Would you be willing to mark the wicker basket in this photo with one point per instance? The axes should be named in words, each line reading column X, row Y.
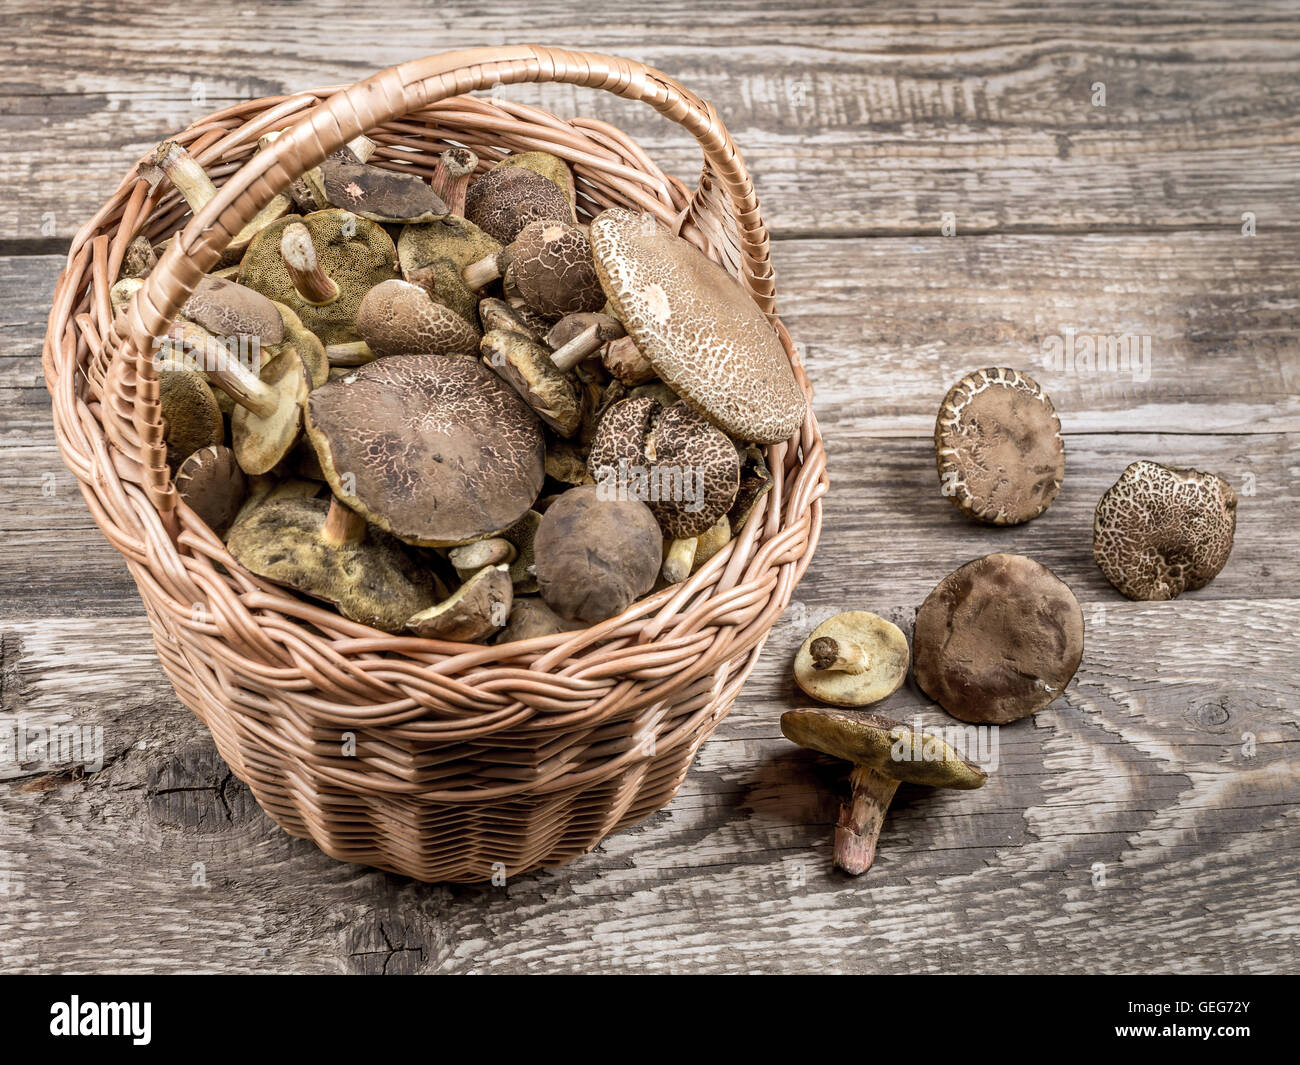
column 437, row 760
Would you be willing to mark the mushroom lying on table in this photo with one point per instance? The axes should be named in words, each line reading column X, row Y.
column 853, row 659
column 884, row 753
column 1160, row 531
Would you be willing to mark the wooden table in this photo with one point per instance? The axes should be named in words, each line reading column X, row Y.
column 1102, row 168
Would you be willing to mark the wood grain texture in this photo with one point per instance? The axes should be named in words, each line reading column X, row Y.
column 1147, row 821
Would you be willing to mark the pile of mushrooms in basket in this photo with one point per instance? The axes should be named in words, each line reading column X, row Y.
column 449, row 409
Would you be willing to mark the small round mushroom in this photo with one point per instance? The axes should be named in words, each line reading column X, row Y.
column 699, row 328
column 549, row 166
column 853, row 659
column 468, row 559
column 190, row 412
column 1160, row 531
column 530, row 618
column 527, row 367
column 213, row 486
column 550, row 268
column 998, row 444
column 398, row 318
column 596, row 556
column 504, row 200
column 452, row 175
column 884, row 754
column 997, row 639
column 435, row 449
column 318, row 548
column 435, row 254
column 476, row 610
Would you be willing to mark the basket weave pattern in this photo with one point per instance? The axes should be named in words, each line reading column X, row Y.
column 436, row 760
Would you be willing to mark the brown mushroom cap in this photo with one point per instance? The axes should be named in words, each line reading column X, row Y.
column 476, row 610
column 506, row 199
column 527, row 367
column 595, row 556
column 888, row 747
column 374, row 581
column 699, row 328
column 997, row 639
column 398, row 318
column 549, row 166
column 853, row 659
column 227, row 309
column 378, row 194
column 354, row 252
column 213, row 486
column 755, row 483
column 552, row 269
column 574, row 324
column 440, row 450
column 434, row 256
column 999, row 449
column 530, row 618
column 1160, row 531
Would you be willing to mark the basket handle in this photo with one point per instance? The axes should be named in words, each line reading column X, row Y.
column 324, row 129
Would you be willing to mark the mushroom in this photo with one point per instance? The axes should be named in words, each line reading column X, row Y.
column 452, row 175
column 998, row 444
column 169, row 159
column 213, row 486
column 376, row 193
column 884, row 753
column 549, row 166
column 528, row 369
column 476, row 610
column 530, row 618
column 399, row 318
column 686, row 470
column 1160, row 531
column 498, row 314
column 468, row 559
column 434, row 256
column 699, row 329
column 191, row 416
column 523, row 536
column 550, row 268
column 579, row 335
column 435, row 449
column 595, row 556
column 755, row 482
column 997, row 639
column 504, row 200
column 320, row 266
column 138, row 259
column 308, row 191
column 852, row 659
column 323, row 550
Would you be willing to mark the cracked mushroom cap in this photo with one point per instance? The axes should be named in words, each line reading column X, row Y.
column 549, row 166
column 698, row 327
column 213, row 486
column 853, row 659
column 398, row 318
column 435, row 449
column 228, row 309
column 997, row 639
column 1160, row 531
column 552, row 270
column 374, row 581
column 527, row 367
column 434, row 255
column 889, row 747
column 476, row 610
column 355, row 253
column 505, row 199
column 595, row 556
column 999, row 449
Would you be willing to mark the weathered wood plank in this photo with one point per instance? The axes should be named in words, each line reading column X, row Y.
column 854, row 119
column 1127, row 828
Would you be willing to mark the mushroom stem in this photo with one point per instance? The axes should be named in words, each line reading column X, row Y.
column 355, row 353
column 185, row 174
column 451, row 177
column 480, row 274
column 581, row 347
column 227, row 372
column 680, row 559
column 842, row 656
column 343, row 525
column 861, row 818
column 299, row 254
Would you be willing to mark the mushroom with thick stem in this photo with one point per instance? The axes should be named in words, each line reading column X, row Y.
column 434, row 256
column 997, row 640
column 997, row 441
column 320, row 266
column 475, row 611
column 172, row 161
column 701, row 331
column 436, row 450
column 1160, row 531
column 330, row 553
column 853, row 659
column 884, row 754
column 399, row 318
column 577, row 337
column 550, row 268
column 595, row 555
column 527, row 367
column 506, row 199
column 212, row 485
column 451, row 177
